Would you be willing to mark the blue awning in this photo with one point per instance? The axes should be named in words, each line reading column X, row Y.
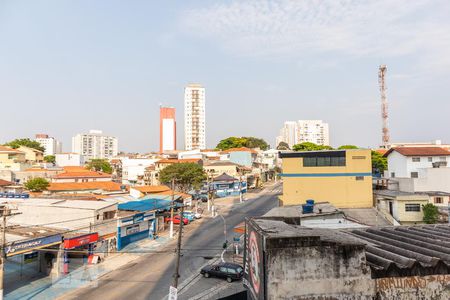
column 147, row 204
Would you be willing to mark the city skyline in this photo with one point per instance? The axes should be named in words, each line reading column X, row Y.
column 285, row 66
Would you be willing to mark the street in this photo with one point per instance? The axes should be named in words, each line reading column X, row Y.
column 150, row 276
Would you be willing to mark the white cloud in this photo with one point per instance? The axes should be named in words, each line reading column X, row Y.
column 296, row 28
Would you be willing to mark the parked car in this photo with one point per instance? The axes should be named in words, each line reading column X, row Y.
column 176, row 220
column 191, row 215
column 229, row 271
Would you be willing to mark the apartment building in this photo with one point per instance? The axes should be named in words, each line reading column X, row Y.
column 52, row 146
column 296, row 132
column 95, row 145
column 194, row 117
column 167, row 129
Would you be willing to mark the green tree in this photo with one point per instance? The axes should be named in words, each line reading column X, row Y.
column 308, row 146
column 430, row 213
column 50, row 159
column 186, row 175
column 37, row 184
column 99, row 165
column 283, row 146
column 237, row 142
column 348, row 147
column 379, row 162
column 25, row 142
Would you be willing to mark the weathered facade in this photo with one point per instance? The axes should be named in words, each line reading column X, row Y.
column 286, row 261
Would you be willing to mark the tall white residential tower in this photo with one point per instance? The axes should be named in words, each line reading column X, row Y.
column 95, row 145
column 52, row 146
column 194, row 117
column 314, row 131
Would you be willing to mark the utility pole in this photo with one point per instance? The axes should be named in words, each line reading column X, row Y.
column 171, row 208
column 177, row 265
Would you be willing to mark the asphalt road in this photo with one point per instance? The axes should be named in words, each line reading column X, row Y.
column 149, row 277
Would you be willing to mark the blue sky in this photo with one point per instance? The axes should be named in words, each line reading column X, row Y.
column 70, row 66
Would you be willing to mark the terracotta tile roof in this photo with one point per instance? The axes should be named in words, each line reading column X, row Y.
column 88, row 174
column 5, row 182
column 178, row 161
column 9, row 150
column 75, row 169
column 419, row 151
column 151, row 188
column 83, row 186
column 169, row 193
column 241, row 149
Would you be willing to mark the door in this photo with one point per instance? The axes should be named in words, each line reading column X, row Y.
column 390, row 208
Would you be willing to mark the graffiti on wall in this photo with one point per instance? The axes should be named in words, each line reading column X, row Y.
column 414, row 282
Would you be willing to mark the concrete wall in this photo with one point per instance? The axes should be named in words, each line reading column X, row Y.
column 342, row 191
column 334, row 272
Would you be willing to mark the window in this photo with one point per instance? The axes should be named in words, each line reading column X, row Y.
column 231, row 271
column 358, row 178
column 412, row 207
column 442, row 158
column 393, row 174
column 416, row 159
column 430, row 159
column 438, row 200
column 323, row 161
column 414, row 175
column 223, row 269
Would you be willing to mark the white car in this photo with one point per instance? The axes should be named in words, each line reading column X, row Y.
column 196, row 214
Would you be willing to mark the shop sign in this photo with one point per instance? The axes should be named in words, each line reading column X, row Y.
column 137, row 218
column 80, row 240
column 253, row 263
column 25, row 246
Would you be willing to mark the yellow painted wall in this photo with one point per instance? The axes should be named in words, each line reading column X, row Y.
column 342, row 191
column 408, row 217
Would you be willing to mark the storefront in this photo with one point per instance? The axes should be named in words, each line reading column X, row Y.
column 79, row 250
column 29, row 256
column 135, row 228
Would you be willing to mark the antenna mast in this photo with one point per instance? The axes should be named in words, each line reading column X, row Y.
column 384, row 105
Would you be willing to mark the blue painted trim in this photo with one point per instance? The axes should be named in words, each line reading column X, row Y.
column 323, row 174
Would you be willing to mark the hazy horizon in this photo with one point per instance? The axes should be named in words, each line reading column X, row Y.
column 72, row 66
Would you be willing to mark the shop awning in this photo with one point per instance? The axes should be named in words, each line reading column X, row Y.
column 147, row 205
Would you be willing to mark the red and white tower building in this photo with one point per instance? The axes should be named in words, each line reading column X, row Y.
column 167, row 129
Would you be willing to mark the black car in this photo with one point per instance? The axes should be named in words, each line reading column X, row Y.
column 226, row 270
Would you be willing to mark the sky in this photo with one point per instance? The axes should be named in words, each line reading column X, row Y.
column 70, row 66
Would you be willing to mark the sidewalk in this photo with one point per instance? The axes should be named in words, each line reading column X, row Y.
column 52, row 288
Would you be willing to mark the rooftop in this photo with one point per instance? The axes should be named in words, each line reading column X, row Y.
column 5, row 182
column 90, row 174
column 220, row 163
column 4, row 149
column 63, row 203
column 151, row 188
column 81, row 186
column 406, row 250
column 178, row 161
column 241, row 149
column 419, row 151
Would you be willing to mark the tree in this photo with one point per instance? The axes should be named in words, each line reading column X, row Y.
column 348, row 147
column 186, row 175
column 99, row 165
column 430, row 213
column 283, row 146
column 50, row 159
column 37, row 184
column 25, row 142
column 237, row 142
column 379, row 162
column 308, row 146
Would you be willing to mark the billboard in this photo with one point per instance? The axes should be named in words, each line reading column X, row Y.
column 19, row 247
column 254, row 263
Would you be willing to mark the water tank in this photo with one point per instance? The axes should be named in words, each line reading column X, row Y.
column 307, row 208
column 310, row 201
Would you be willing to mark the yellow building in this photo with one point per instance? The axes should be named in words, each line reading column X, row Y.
column 12, row 159
column 341, row 177
column 32, row 155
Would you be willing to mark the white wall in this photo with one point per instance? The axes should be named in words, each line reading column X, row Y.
column 397, row 163
column 134, row 167
column 69, row 159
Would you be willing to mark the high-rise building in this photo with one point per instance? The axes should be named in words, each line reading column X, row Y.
column 167, row 129
column 314, row 131
column 95, row 145
column 194, row 117
column 52, row 146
